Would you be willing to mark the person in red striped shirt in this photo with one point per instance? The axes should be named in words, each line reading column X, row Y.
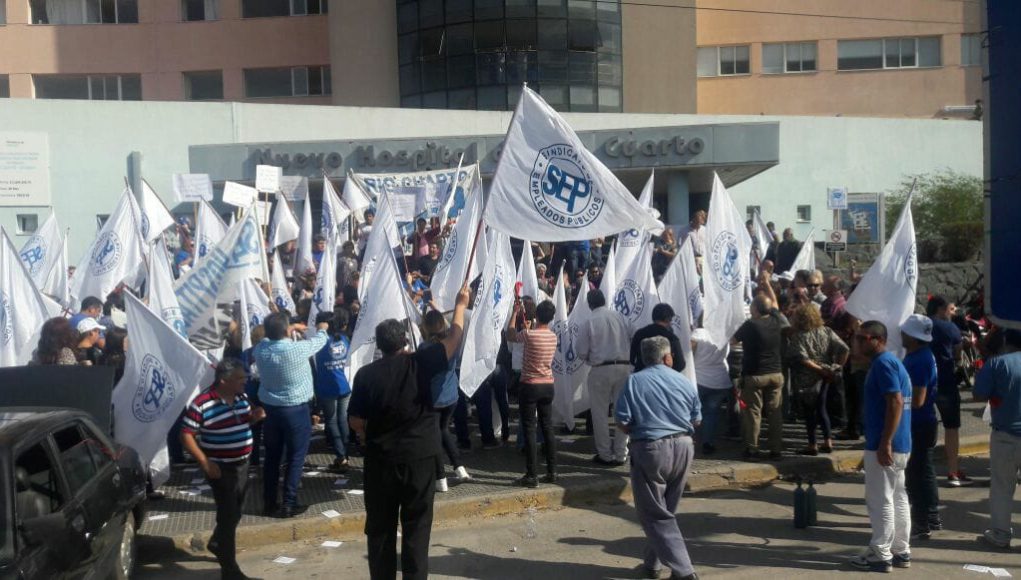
column 535, row 397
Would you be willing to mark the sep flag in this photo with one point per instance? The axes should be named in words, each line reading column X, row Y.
column 451, row 270
column 162, row 373
column 115, row 255
column 254, row 309
column 42, row 251
column 548, row 187
column 887, row 292
column 207, row 292
column 635, row 294
column 493, row 300
column 281, row 297
column 22, row 310
column 162, row 299
column 675, row 290
column 570, row 373
column 632, row 241
column 686, row 258
column 805, row 260
column 326, row 287
column 335, row 214
column 56, row 284
column 726, row 266
column 283, row 227
column 303, row 261
column 155, row 218
column 209, row 230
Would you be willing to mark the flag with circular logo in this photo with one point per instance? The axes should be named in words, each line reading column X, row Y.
column 116, row 256
column 726, row 269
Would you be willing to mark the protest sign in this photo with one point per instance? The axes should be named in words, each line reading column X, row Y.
column 267, row 178
column 238, row 195
column 193, row 187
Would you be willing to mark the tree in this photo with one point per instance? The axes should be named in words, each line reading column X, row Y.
column 947, row 211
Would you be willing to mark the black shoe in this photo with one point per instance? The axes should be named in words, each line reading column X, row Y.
column 290, row 511
column 708, row 449
column 692, row 576
column 235, row 574
column 270, row 511
column 600, row 461
column 526, row 481
column 549, row 478
column 648, row 572
column 213, row 548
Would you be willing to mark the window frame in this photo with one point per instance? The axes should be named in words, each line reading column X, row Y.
column 325, row 81
column 85, row 14
column 784, row 59
column 917, row 40
column 185, row 81
column 89, row 80
column 803, row 220
column 205, row 17
column 719, row 60
column 324, row 8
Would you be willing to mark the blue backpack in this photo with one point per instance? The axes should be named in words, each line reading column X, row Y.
column 444, row 386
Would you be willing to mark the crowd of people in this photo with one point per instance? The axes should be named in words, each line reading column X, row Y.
column 799, row 357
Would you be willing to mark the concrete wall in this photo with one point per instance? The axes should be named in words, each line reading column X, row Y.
column 363, row 53
column 90, row 142
column 659, row 57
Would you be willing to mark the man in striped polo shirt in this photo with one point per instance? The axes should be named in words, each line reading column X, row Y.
column 217, row 432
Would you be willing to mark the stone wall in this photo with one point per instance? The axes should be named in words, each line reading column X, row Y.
column 949, row 279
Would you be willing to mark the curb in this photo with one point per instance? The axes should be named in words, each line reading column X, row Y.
column 614, row 489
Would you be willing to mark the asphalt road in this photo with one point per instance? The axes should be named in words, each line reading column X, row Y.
column 731, row 534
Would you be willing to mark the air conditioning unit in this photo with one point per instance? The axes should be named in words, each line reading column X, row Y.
column 958, row 109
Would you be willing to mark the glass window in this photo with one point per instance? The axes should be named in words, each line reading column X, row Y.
column 859, row 54
column 407, row 48
column 552, row 7
column 808, row 56
column 5, row 87
column 751, row 210
column 434, row 77
column 61, row 86
column 521, row 34
column 489, row 35
column 461, row 99
column 431, row 42
column 772, row 58
column 410, row 79
column 488, row 9
column 460, row 39
column 583, row 69
column 971, row 50
column 492, row 98
column 37, row 484
column 28, row 223
column 491, row 70
column 581, row 35
column 804, row 213
column 437, row 100
column 461, row 72
column 552, row 34
column 197, row 10
column 553, row 67
column 265, row 8
column 708, row 61
column 733, row 60
column 268, row 82
column 789, row 57
column 315, row 80
column 608, row 10
column 522, row 67
column 520, row 8
column 3, row 12
column 609, row 99
column 79, row 466
column 583, row 98
column 609, row 37
column 203, row 85
column 127, row 11
column 412, row 102
column 299, row 80
column 555, row 95
column 513, row 96
column 459, row 11
column 610, row 72
column 430, row 13
column 581, row 9
column 407, row 17
column 930, row 51
column 900, row 52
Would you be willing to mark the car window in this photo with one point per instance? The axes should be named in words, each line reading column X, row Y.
column 36, row 486
column 98, row 447
column 75, row 456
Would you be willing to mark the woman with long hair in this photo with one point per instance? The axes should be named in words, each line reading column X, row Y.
column 816, row 355
column 56, row 344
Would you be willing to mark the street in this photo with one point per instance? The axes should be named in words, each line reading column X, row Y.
column 732, row 534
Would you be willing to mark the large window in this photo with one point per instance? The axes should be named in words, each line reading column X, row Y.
column 889, row 53
column 479, row 52
column 84, row 11
column 3, row 11
column 203, row 85
column 971, row 50
column 723, row 61
column 299, row 81
column 791, row 57
column 265, row 8
column 89, row 87
column 5, row 87
column 197, row 10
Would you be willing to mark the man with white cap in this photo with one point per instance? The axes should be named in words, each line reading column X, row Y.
column 88, row 335
column 920, row 474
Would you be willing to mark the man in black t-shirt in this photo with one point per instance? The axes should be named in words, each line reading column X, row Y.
column 762, row 376
column 662, row 318
column 392, row 411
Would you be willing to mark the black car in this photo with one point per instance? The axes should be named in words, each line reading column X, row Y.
column 71, row 498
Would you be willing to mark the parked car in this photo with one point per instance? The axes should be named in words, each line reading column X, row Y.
column 72, row 499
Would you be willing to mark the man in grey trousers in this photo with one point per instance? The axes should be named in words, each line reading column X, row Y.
column 660, row 410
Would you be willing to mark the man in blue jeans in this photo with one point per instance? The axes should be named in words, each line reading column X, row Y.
column 333, row 391
column 285, row 392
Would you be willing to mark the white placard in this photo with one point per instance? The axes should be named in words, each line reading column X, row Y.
column 294, row 187
column 238, row 195
column 332, row 544
column 267, row 178
column 404, row 205
column 24, row 169
column 836, row 198
column 285, row 560
column 193, row 187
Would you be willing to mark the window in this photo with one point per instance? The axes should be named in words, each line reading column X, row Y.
column 196, row 10
column 266, row 8
column 5, row 87
column 804, row 213
column 299, row 81
column 203, row 85
column 971, row 50
column 84, row 11
column 27, row 223
column 723, row 61
column 791, row 57
column 889, row 53
column 37, row 485
column 89, row 87
column 751, row 210
column 3, row 11
column 75, row 456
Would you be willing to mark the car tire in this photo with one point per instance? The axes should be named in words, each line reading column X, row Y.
column 124, row 563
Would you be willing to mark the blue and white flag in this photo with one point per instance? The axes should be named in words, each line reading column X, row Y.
column 451, row 270
column 206, row 293
column 22, row 310
column 675, row 289
column 254, row 309
column 549, row 187
column 281, row 297
column 154, row 218
column 635, row 294
column 163, row 372
column 334, row 217
column 805, row 260
column 283, row 227
column 355, row 198
column 42, row 250
column 209, row 230
column 303, row 261
column 631, row 242
column 570, row 396
column 494, row 298
column 160, row 287
column 692, row 288
column 325, row 292
column 887, row 291
column 726, row 268
column 56, row 285
column 114, row 257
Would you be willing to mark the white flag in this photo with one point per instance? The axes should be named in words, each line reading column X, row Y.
column 303, row 261
column 254, row 309
column 805, row 260
column 22, row 310
column 155, row 217
column 609, row 282
column 635, row 293
column 160, row 287
column 569, row 371
column 548, row 187
column 887, row 291
column 281, row 297
column 42, row 251
column 450, row 272
column 630, row 242
column 686, row 257
column 335, row 214
column 163, row 372
column 675, row 289
column 354, row 198
column 56, row 284
column 527, row 276
column 326, row 287
column 493, row 301
column 726, row 266
column 207, row 292
column 115, row 255
column 284, row 226
column 762, row 233
column 209, row 230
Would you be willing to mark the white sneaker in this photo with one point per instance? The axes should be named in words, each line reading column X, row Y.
column 441, row 485
column 462, row 474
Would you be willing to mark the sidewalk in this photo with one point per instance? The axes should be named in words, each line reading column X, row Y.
column 186, row 516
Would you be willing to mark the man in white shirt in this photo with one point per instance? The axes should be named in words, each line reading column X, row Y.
column 695, row 229
column 604, row 342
